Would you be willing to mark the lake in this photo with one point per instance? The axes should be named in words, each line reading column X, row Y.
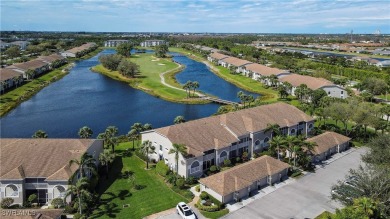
column 86, row 98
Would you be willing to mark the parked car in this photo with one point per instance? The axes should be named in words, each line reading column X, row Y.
column 185, row 211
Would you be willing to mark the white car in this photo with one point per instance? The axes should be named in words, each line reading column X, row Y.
column 185, row 211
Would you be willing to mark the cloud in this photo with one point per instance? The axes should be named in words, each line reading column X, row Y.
column 197, row 15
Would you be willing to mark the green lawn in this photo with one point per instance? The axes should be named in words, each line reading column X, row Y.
column 13, row 98
column 156, row 196
column 216, row 214
column 149, row 79
column 324, row 215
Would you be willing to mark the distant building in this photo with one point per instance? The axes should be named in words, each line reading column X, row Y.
column 22, row 44
column 9, row 78
column 314, row 83
column 41, row 166
column 385, row 63
column 79, row 51
column 4, row 45
column 114, row 43
column 151, row 43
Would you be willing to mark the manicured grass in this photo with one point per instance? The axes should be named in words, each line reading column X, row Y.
column 239, row 80
column 216, row 214
column 115, row 191
column 149, row 79
column 13, row 98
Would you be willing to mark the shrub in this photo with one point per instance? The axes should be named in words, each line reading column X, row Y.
column 6, row 202
column 213, row 169
column 70, row 209
column 197, row 188
column 211, row 208
column 162, row 168
column 245, row 156
column 57, row 202
column 32, row 198
column 204, row 195
column 191, row 180
column 238, row 159
column 227, row 162
column 180, row 183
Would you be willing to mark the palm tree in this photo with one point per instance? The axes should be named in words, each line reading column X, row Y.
column 40, row 134
column 276, row 142
column 110, row 137
column 187, row 86
column 85, row 132
column 178, row 149
column 132, row 135
column 274, row 128
column 146, row 149
column 80, row 189
column 179, row 119
column 106, row 158
column 195, row 85
column 30, row 74
column 147, row 126
column 86, row 164
column 291, row 141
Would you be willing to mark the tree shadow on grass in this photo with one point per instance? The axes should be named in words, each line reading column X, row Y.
column 114, row 174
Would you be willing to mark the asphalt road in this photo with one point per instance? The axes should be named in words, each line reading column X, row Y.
column 305, row 198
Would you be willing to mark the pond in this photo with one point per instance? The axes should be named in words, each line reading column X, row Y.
column 86, row 98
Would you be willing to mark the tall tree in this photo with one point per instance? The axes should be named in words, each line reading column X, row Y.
column 124, row 49
column 195, row 85
column 274, row 129
column 132, row 135
column 85, row 132
column 40, row 134
column 275, row 144
column 106, row 158
column 161, row 51
column 80, row 189
column 146, row 149
column 86, row 164
column 178, row 149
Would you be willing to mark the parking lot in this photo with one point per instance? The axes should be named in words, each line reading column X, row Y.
column 307, row 197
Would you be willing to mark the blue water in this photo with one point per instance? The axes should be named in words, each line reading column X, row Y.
column 208, row 81
column 86, row 98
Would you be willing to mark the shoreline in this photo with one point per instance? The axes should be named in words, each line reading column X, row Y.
column 216, row 71
column 26, row 91
column 134, row 83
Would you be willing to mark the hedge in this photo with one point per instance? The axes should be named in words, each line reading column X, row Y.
column 162, row 168
column 207, row 208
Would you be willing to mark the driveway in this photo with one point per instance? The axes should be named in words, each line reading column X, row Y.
column 307, row 197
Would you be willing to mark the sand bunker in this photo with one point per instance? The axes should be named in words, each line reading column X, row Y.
column 160, row 64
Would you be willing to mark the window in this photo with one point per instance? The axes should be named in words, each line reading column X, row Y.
column 195, row 167
column 257, row 144
column 11, row 191
column 310, row 126
column 342, row 92
column 59, row 192
column 329, row 92
column 160, row 147
column 222, row 156
column 292, row 132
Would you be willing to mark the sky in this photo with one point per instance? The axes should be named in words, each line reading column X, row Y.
column 212, row 16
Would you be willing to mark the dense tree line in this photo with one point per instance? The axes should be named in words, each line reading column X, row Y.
column 115, row 62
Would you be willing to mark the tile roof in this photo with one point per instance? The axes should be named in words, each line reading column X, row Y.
column 327, row 140
column 33, row 64
column 220, row 131
column 236, row 61
column 6, row 73
column 311, row 82
column 51, row 58
column 49, row 158
column 264, row 70
column 243, row 175
column 218, row 56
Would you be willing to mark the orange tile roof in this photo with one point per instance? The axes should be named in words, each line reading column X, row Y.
column 220, row 131
column 327, row 140
column 243, row 175
column 311, row 82
column 236, row 61
column 218, row 56
column 40, row 157
column 264, row 70
column 33, row 64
